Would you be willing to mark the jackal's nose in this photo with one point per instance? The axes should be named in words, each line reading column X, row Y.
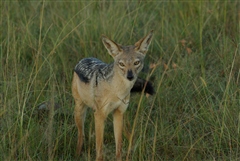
column 130, row 75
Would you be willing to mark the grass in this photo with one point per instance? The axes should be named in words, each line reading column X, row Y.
column 194, row 114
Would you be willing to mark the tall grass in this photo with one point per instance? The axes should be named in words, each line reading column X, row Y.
column 195, row 56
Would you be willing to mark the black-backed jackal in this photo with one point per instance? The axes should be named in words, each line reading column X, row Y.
column 106, row 88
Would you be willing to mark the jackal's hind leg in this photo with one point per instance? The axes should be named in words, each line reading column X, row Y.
column 79, row 116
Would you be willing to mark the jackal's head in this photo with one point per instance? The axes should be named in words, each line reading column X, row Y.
column 128, row 60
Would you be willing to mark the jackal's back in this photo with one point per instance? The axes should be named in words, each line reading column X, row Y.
column 87, row 68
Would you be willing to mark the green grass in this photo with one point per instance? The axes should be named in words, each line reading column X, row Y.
column 194, row 114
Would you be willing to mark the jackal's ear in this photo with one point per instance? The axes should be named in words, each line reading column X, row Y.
column 112, row 47
column 143, row 44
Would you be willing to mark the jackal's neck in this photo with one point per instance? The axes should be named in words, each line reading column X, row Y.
column 106, row 72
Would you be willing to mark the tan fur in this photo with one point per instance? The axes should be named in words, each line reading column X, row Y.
column 108, row 96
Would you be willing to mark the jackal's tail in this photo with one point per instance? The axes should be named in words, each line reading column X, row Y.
column 140, row 84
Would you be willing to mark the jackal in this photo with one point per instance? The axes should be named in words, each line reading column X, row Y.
column 106, row 88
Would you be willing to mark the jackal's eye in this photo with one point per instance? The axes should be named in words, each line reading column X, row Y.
column 136, row 62
column 121, row 64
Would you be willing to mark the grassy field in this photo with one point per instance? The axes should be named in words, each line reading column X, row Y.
column 194, row 62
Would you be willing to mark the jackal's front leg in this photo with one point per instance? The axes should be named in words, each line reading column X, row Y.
column 118, row 126
column 99, row 131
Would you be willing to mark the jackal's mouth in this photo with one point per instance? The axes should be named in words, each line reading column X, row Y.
column 130, row 78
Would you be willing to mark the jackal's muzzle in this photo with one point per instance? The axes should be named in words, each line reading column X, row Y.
column 130, row 75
